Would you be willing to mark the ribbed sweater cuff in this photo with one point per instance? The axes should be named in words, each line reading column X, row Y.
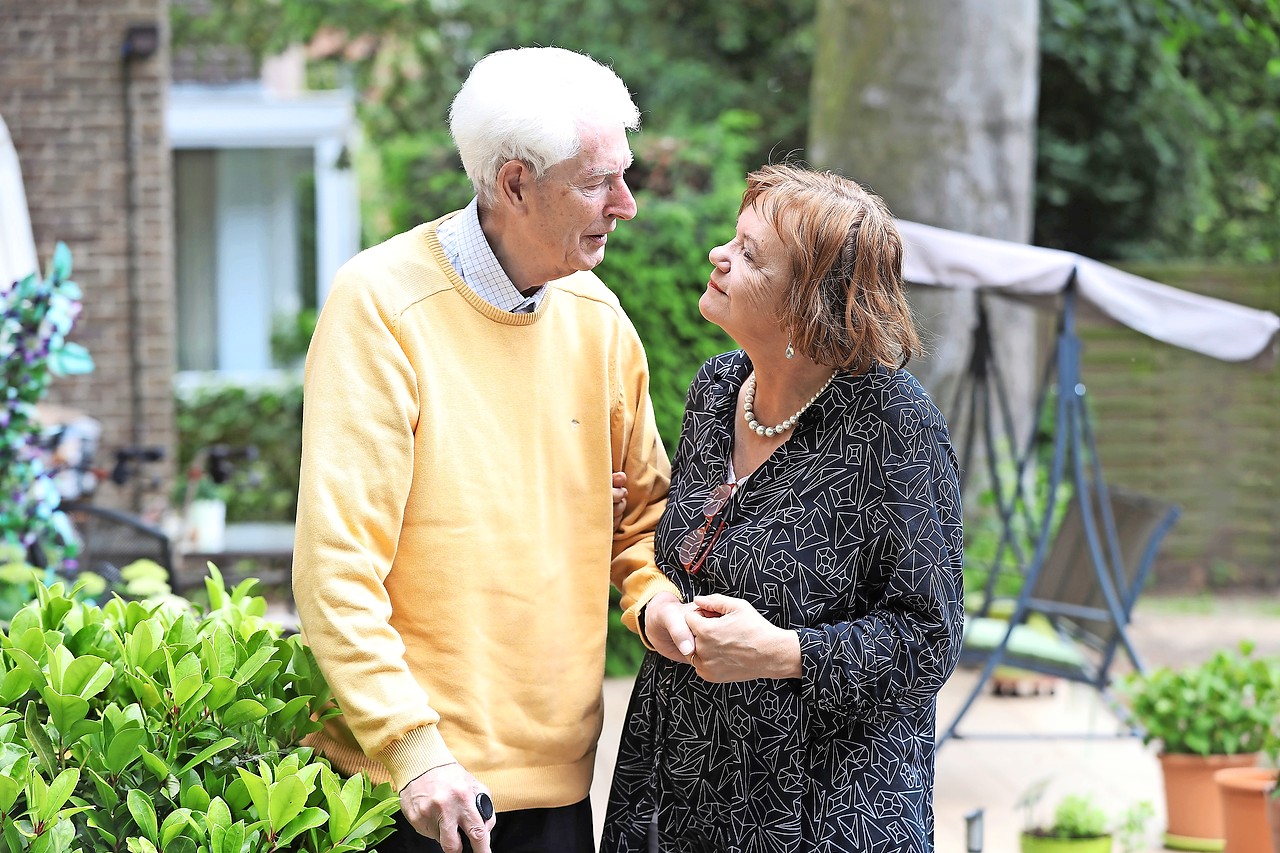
column 635, row 618
column 414, row 754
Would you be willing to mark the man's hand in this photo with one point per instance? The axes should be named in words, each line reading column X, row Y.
column 665, row 627
column 441, row 803
column 736, row 643
column 619, row 497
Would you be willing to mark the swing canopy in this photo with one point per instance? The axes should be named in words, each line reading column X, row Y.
column 1213, row 327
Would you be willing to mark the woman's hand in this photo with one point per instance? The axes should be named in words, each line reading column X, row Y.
column 665, row 627
column 735, row 643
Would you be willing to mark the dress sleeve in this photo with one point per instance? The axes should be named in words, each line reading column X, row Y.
column 638, row 450
column 906, row 646
column 357, row 466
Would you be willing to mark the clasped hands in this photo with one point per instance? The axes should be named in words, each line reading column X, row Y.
column 725, row 639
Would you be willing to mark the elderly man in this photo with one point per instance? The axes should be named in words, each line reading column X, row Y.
column 473, row 392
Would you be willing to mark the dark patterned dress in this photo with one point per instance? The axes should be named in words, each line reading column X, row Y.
column 849, row 534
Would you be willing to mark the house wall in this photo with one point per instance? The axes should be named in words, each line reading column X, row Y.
column 62, row 91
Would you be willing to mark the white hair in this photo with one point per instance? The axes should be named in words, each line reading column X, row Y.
column 530, row 104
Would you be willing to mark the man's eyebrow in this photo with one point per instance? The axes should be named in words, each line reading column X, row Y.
column 604, row 172
column 607, row 171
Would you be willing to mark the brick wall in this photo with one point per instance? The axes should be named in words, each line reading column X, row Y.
column 1200, row 432
column 62, row 90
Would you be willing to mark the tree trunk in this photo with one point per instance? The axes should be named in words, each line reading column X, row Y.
column 932, row 104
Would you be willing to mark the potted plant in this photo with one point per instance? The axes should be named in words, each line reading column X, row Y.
column 1273, row 802
column 1079, row 825
column 1251, row 801
column 1204, row 718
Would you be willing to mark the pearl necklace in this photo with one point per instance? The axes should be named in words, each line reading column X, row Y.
column 749, row 415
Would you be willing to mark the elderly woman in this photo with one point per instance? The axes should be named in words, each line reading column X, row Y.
column 813, row 529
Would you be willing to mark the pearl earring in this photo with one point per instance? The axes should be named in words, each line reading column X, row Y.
column 791, row 352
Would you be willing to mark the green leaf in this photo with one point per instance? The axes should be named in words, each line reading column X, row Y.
column 374, row 818
column 157, row 765
column 144, row 814
column 339, row 815
column 217, row 815
column 218, row 650
column 249, row 668
column 87, row 676
column 173, row 826
column 59, row 792
column 12, row 772
column 257, row 788
column 141, row 645
column 41, row 745
column 145, row 689
column 188, row 678
column 181, row 844
column 194, row 706
column 57, row 659
column 308, row 818
column 244, row 711
column 108, row 799
column 228, row 840
column 123, row 749
column 26, row 663
column 20, row 626
column 296, row 706
column 285, row 798
column 221, row 691
column 64, row 711
column 13, row 685
column 194, row 797
column 205, row 754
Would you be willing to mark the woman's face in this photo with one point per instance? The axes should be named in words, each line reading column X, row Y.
column 748, row 281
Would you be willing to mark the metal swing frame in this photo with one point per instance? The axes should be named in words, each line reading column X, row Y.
column 1103, row 592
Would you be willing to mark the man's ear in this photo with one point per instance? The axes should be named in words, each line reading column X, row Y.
column 513, row 180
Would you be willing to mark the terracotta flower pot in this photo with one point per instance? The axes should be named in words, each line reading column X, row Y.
column 1191, row 799
column 1273, row 809
column 1243, row 792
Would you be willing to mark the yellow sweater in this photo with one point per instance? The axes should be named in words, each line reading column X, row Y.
column 455, row 536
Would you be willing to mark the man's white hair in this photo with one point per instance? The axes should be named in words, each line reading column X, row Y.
column 529, row 104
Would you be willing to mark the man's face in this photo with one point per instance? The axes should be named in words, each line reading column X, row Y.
column 574, row 206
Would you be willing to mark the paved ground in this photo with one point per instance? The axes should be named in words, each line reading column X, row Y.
column 991, row 774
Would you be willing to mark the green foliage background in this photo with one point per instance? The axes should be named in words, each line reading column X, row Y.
column 268, row 417
column 1156, row 129
column 1155, row 132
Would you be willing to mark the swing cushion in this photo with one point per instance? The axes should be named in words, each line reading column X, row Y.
column 1029, row 642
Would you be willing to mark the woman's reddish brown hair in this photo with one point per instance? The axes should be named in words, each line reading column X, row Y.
column 847, row 304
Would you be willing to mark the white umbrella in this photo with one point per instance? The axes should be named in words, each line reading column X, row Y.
column 17, row 246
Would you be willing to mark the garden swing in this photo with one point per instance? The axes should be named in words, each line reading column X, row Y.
column 1082, row 548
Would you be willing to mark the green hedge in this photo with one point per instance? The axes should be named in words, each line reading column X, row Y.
column 267, row 417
